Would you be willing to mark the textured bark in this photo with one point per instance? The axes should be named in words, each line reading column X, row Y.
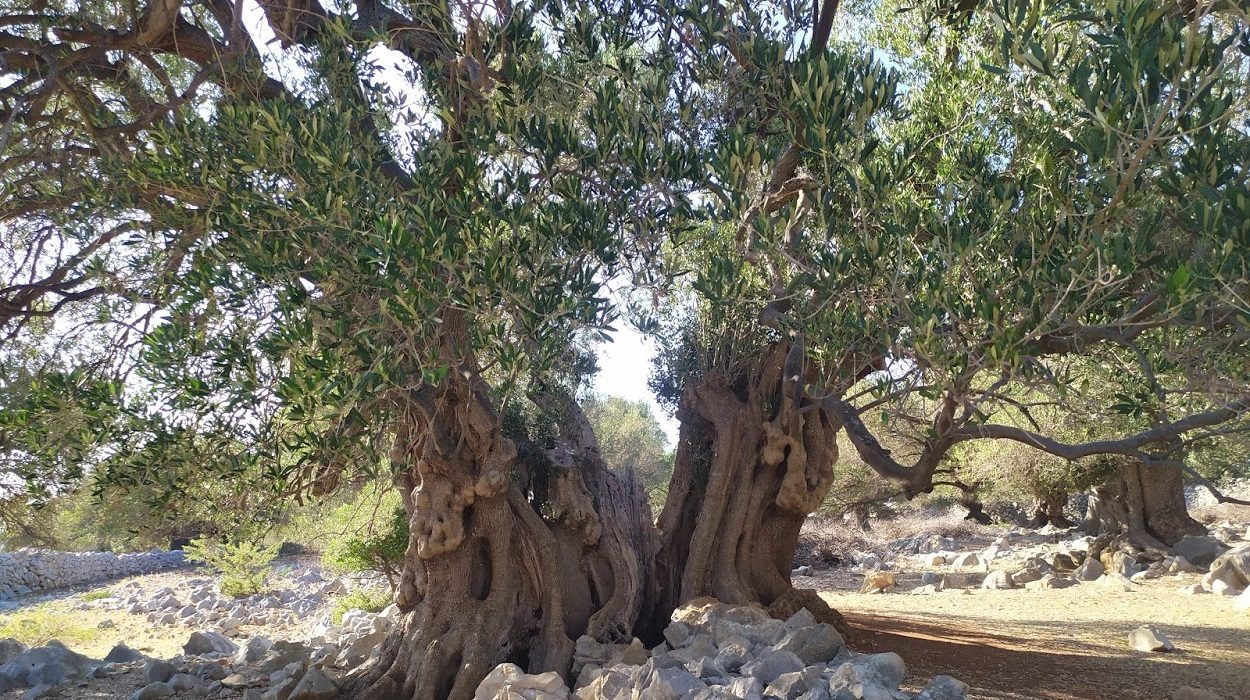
column 1048, row 510
column 515, row 553
column 511, row 557
column 1144, row 505
column 754, row 458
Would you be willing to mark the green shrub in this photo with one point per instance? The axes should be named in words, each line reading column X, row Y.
column 363, row 599
column 39, row 625
column 243, row 566
column 97, row 594
column 380, row 550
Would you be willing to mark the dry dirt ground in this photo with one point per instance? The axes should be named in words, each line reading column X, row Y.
column 1068, row 644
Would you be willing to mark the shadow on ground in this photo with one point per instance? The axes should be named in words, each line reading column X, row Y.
column 1053, row 664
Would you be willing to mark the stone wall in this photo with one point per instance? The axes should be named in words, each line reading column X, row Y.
column 32, row 570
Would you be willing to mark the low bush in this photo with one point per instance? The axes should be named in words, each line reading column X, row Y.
column 39, row 625
column 369, row 600
column 381, row 549
column 97, row 594
column 243, row 566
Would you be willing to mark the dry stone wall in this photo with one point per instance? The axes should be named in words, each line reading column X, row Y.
column 27, row 571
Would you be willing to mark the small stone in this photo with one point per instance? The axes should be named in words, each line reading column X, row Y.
column 153, row 691
column 998, row 581
column 209, row 643
column 933, row 560
column 504, row 681
column 965, row 560
column 771, row 664
column 1149, row 639
column 158, row 671
column 1194, row 589
column 1200, row 550
column 817, row 643
column 1221, row 587
column 1050, row 582
column 1243, row 600
column 1089, row 570
column 877, row 582
column 792, row 685
column 944, row 688
column 43, row 690
column 122, row 654
column 731, row 657
column 184, row 681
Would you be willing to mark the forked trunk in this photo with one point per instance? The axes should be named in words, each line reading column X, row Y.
column 753, row 460
column 1146, row 505
column 1048, row 510
column 514, row 556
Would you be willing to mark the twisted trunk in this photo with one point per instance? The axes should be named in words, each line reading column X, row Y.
column 1048, row 510
column 515, row 553
column 754, row 458
column 511, row 556
column 1144, row 505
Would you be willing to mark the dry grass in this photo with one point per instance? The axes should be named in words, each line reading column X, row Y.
column 829, row 541
column 41, row 624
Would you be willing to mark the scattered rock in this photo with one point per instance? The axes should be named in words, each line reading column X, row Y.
column 1200, row 550
column 966, row 560
column 998, row 581
column 944, row 688
column 509, row 679
column 315, row 685
column 1193, row 589
column 1148, row 638
column 1243, row 600
column 152, row 691
column 209, row 643
column 1050, row 582
column 1089, row 570
column 877, row 582
column 51, row 665
column 158, row 671
column 1232, row 567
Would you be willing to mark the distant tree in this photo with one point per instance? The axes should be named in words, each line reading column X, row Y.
column 630, row 437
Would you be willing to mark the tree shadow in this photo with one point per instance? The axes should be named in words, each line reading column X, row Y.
column 1053, row 663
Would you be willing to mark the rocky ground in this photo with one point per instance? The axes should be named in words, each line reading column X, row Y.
column 995, row 611
column 1015, row 614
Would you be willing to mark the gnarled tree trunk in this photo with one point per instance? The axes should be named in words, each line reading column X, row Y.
column 511, row 557
column 754, row 458
column 1048, row 510
column 1144, row 504
column 515, row 553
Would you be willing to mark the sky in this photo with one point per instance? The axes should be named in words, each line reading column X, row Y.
column 624, row 366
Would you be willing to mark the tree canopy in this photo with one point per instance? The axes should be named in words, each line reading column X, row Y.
column 288, row 242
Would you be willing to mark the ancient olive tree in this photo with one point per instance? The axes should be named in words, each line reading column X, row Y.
column 1035, row 187
column 339, row 235
column 333, row 236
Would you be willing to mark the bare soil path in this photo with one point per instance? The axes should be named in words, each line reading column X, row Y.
column 1066, row 644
